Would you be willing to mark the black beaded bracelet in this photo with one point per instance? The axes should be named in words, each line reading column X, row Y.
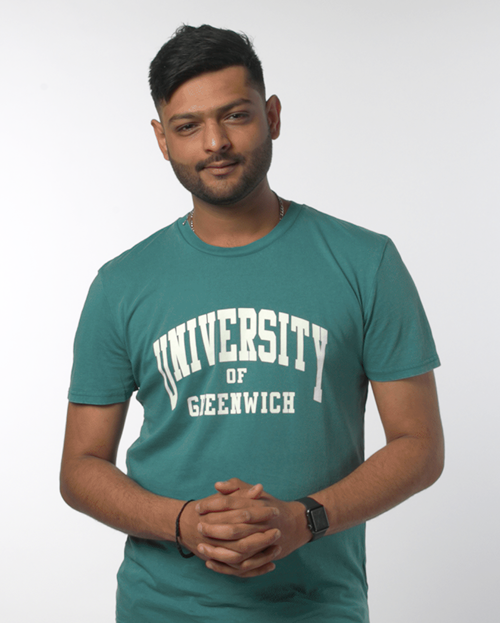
column 178, row 533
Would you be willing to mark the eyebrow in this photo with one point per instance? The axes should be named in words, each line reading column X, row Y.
column 221, row 110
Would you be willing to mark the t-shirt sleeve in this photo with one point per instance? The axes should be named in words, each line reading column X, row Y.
column 398, row 341
column 102, row 371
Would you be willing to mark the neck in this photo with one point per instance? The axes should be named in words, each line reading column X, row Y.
column 238, row 224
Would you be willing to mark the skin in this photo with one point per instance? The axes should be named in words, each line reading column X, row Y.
column 214, row 131
column 411, row 461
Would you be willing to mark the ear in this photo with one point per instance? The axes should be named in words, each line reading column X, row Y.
column 273, row 112
column 160, row 137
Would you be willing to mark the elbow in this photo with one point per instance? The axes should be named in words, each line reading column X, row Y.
column 434, row 475
column 65, row 487
column 439, row 469
column 434, row 465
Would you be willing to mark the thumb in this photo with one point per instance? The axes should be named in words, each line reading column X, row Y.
column 235, row 484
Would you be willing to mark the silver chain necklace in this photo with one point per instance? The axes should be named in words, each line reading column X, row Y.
column 189, row 217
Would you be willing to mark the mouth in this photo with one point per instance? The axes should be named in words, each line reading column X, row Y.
column 222, row 168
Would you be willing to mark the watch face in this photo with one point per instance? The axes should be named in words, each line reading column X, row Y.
column 319, row 519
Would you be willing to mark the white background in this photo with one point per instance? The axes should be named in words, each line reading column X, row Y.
column 390, row 120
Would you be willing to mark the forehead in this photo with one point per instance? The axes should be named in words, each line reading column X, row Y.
column 210, row 91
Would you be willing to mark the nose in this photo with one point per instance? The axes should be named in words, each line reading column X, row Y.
column 215, row 138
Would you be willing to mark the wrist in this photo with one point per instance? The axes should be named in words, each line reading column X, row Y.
column 178, row 541
column 302, row 532
column 316, row 517
column 163, row 518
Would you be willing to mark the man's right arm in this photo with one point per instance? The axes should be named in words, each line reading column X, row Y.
column 92, row 484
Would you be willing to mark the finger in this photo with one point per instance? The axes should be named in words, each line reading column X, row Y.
column 236, row 524
column 227, row 487
column 237, row 561
column 254, row 492
column 235, row 484
column 227, row 570
column 232, row 484
column 213, row 505
column 249, row 514
column 260, row 563
column 235, row 552
column 231, row 532
column 219, row 503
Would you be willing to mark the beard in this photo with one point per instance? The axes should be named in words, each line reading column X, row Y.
column 223, row 192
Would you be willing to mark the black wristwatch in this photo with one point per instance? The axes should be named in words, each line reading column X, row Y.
column 317, row 521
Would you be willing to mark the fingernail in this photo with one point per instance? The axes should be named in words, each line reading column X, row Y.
column 200, row 528
column 276, row 511
column 197, row 508
column 201, row 549
column 278, row 551
column 278, row 534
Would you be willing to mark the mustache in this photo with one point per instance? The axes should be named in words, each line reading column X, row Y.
column 236, row 159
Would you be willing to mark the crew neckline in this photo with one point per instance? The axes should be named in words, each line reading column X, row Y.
column 281, row 228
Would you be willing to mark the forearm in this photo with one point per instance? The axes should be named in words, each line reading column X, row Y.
column 98, row 488
column 92, row 484
column 411, row 461
column 402, row 468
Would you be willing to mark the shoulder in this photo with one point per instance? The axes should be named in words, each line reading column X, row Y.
column 342, row 237
column 127, row 276
column 151, row 251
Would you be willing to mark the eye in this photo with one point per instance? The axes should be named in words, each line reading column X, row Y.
column 238, row 116
column 186, row 128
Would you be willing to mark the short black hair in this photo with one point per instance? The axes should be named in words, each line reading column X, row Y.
column 193, row 51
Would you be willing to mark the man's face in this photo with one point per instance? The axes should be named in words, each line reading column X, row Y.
column 217, row 133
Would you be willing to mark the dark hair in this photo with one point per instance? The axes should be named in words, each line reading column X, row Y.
column 194, row 51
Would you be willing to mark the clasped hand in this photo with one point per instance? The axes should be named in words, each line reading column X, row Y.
column 241, row 530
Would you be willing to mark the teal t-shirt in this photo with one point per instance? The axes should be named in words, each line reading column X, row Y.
column 250, row 362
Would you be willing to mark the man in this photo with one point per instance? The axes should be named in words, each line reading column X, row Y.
column 251, row 328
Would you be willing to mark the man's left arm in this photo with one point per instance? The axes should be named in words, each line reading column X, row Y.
column 412, row 460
